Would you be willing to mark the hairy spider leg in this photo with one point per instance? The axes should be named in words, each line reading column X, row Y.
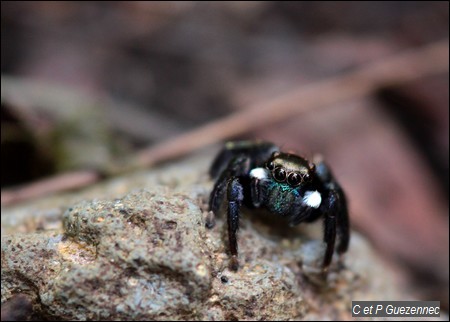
column 336, row 218
column 238, row 166
column 235, row 198
column 229, row 183
column 343, row 225
column 331, row 210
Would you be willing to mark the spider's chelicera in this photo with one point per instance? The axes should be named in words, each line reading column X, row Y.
column 257, row 174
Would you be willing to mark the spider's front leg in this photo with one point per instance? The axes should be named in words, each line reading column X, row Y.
column 329, row 236
column 335, row 210
column 336, row 222
column 235, row 198
column 229, row 183
column 238, row 166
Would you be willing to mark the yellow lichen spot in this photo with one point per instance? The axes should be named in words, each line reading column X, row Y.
column 132, row 281
column 79, row 253
column 201, row 270
column 100, row 219
column 214, row 298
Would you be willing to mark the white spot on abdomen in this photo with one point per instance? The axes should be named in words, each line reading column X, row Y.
column 259, row 173
column 312, row 199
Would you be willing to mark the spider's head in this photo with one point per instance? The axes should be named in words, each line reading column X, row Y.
column 290, row 168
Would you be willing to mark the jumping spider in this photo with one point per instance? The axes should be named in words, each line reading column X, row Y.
column 257, row 174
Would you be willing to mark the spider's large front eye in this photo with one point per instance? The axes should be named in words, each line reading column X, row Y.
column 270, row 165
column 279, row 174
column 294, row 179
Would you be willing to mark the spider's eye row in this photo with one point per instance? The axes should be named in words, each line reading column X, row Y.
column 294, row 179
column 279, row 174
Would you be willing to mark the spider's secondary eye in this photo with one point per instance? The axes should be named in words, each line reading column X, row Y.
column 270, row 165
column 279, row 174
column 294, row 179
column 307, row 177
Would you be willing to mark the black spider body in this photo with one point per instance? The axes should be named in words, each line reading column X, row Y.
column 258, row 175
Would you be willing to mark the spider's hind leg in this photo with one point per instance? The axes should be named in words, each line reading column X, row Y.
column 257, row 151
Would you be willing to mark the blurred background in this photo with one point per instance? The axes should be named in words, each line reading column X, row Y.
column 86, row 83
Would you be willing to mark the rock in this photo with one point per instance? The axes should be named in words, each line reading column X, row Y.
column 148, row 256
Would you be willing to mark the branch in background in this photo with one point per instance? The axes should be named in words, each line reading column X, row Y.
column 408, row 66
column 405, row 67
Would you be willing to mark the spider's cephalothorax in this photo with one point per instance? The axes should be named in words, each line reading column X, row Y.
column 257, row 174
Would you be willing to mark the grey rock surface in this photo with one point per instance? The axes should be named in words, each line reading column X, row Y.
column 148, row 256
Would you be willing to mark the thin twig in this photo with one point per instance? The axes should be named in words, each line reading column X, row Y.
column 62, row 182
column 408, row 66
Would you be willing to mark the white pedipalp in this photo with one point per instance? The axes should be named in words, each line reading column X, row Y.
column 259, row 173
column 312, row 199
